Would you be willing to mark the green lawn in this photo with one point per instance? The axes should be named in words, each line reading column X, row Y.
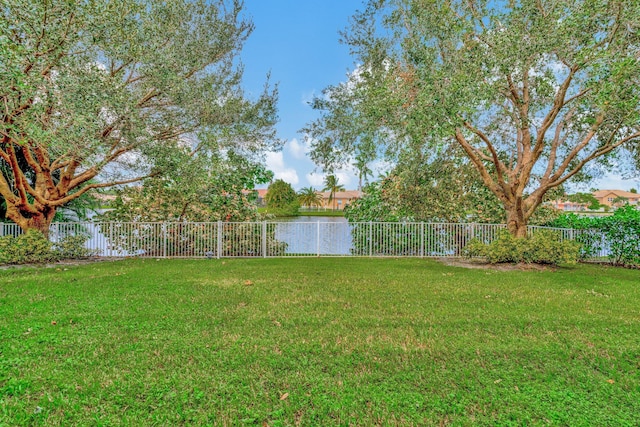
column 318, row 342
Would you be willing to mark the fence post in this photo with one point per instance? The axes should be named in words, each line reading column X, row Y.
column 370, row 238
column 422, row 239
column 164, row 239
column 318, row 239
column 219, row 242
column 264, row 239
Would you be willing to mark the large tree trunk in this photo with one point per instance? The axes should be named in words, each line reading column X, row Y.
column 516, row 220
column 40, row 221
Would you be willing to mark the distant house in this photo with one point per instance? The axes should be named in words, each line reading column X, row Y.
column 565, row 205
column 340, row 199
column 262, row 193
column 607, row 197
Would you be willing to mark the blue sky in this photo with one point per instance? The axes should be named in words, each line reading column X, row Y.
column 298, row 42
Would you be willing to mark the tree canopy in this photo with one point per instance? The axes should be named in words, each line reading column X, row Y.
column 533, row 92
column 282, row 199
column 96, row 94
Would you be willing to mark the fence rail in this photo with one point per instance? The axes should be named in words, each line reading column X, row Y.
column 285, row 239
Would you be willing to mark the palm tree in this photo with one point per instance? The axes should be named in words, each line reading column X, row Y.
column 363, row 171
column 309, row 197
column 332, row 185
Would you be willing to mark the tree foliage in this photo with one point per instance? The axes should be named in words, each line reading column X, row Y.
column 533, row 92
column 100, row 93
column 191, row 194
column 282, row 199
column 585, row 198
column 433, row 187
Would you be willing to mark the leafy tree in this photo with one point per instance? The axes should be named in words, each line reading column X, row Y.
column 332, row 185
column 633, row 190
column 533, row 92
column 308, row 196
column 372, row 206
column 282, row 199
column 99, row 93
column 585, row 198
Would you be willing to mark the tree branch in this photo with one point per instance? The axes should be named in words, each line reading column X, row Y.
column 84, row 189
column 484, row 173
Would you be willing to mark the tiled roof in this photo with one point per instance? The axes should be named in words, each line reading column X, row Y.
column 617, row 193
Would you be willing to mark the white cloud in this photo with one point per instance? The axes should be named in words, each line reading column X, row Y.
column 298, row 150
column 345, row 178
column 316, row 179
column 99, row 65
column 275, row 163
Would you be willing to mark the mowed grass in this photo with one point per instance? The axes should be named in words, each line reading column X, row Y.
column 318, row 342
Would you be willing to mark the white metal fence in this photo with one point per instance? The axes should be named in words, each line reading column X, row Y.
column 284, row 239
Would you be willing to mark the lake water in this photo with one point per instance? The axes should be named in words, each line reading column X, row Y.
column 318, row 235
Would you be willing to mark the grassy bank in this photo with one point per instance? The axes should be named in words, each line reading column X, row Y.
column 336, row 213
column 318, row 342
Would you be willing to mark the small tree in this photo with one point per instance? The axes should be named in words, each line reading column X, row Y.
column 309, row 197
column 282, row 199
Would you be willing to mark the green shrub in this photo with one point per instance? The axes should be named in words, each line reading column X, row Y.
column 505, row 248
column 290, row 209
column 475, row 248
column 622, row 230
column 72, row 247
column 618, row 234
column 30, row 247
column 543, row 247
column 546, row 247
column 34, row 247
